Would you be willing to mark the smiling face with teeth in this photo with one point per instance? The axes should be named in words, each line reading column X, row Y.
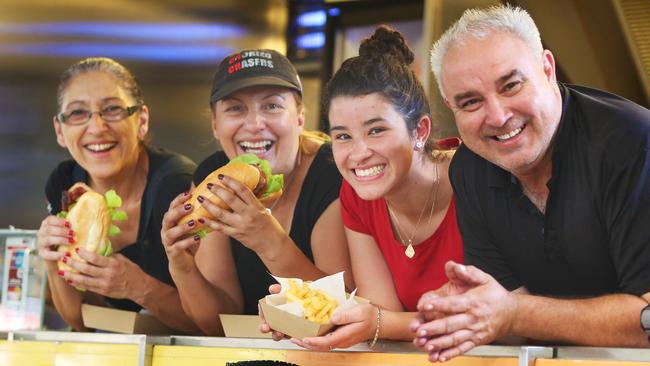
column 505, row 100
column 104, row 149
column 372, row 146
column 261, row 120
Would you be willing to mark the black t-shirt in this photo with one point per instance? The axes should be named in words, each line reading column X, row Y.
column 319, row 190
column 173, row 172
column 595, row 236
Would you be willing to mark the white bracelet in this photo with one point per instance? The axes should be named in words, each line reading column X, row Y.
column 374, row 339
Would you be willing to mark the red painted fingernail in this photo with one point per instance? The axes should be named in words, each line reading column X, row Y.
column 69, row 282
column 200, row 199
column 188, row 206
column 197, row 237
column 65, row 260
column 68, row 254
column 70, row 240
column 67, row 224
column 210, row 185
column 190, row 223
column 220, row 176
column 76, row 250
column 70, row 232
column 202, row 220
column 60, row 273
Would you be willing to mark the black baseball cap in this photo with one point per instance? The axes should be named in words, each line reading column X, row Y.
column 250, row 68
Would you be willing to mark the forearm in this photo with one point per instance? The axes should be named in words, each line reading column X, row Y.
column 202, row 301
column 606, row 321
column 67, row 300
column 395, row 326
column 285, row 259
column 164, row 302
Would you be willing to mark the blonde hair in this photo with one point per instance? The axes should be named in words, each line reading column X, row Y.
column 310, row 141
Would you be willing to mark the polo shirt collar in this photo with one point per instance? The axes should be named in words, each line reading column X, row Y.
column 561, row 140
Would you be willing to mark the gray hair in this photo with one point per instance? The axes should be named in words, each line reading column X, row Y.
column 100, row 64
column 480, row 23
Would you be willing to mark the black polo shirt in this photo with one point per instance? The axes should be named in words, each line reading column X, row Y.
column 595, row 236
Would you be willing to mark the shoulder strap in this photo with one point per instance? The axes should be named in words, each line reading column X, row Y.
column 174, row 164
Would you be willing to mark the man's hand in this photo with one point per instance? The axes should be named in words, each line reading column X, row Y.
column 471, row 310
column 458, row 284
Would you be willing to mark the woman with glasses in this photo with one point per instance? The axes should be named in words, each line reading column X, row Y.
column 256, row 104
column 103, row 123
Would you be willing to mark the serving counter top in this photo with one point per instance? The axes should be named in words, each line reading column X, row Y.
column 65, row 348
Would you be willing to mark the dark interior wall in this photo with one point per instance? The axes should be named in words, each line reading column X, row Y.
column 179, row 120
column 27, row 150
column 177, row 92
column 583, row 34
column 589, row 45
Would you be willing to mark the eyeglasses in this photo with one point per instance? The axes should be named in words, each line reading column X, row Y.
column 112, row 113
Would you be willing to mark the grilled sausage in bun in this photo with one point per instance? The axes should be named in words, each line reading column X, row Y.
column 89, row 214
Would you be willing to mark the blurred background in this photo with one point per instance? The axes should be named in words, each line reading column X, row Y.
column 172, row 46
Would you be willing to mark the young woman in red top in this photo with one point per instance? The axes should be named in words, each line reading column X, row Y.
column 397, row 203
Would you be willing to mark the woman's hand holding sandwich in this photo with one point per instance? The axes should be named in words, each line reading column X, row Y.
column 115, row 276
column 230, row 201
column 53, row 233
column 180, row 239
column 248, row 221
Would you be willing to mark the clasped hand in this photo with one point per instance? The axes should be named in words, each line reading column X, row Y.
column 472, row 309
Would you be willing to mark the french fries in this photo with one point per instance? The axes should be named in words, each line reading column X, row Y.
column 317, row 305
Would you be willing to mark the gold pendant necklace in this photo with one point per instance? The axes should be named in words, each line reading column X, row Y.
column 410, row 251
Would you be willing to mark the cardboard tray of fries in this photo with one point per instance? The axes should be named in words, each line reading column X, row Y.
column 242, row 326
column 122, row 321
column 321, row 296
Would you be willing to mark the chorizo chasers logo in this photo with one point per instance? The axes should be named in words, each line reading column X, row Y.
column 250, row 59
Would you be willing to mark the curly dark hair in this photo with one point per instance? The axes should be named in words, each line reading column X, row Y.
column 382, row 67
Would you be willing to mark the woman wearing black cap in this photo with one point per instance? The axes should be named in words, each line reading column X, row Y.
column 256, row 104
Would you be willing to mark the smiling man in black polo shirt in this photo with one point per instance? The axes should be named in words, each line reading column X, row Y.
column 553, row 198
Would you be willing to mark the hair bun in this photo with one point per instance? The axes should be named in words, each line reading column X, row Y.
column 386, row 41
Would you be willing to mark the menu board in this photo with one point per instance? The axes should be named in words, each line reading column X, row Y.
column 16, row 272
column 23, row 279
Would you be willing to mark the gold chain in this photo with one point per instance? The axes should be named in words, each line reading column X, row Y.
column 409, row 243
